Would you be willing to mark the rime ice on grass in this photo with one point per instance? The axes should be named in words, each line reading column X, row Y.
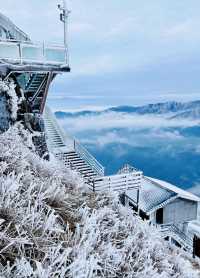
column 8, row 88
column 51, row 226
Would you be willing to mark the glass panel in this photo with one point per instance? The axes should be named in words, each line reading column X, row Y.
column 9, row 51
column 55, row 55
column 32, row 53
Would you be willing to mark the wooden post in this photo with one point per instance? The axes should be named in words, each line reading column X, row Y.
column 194, row 246
column 138, row 199
column 122, row 198
column 93, row 185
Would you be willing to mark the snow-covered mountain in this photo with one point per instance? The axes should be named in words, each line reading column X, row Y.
column 175, row 109
column 193, row 114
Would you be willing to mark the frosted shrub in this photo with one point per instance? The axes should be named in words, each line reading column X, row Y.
column 51, row 226
column 8, row 88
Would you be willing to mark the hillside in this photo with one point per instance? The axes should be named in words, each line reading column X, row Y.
column 51, row 226
column 189, row 110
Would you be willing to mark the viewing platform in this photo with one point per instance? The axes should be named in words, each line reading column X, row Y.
column 24, row 55
column 31, row 66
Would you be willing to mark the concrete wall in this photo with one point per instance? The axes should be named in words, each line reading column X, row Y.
column 179, row 211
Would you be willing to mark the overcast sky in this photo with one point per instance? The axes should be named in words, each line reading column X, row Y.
column 146, row 49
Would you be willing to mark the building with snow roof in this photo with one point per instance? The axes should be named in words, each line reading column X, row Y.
column 160, row 202
column 168, row 207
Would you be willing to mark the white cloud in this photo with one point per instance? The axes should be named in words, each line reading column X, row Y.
column 120, row 120
column 187, row 29
column 95, row 65
column 80, row 28
column 195, row 189
column 132, row 137
column 166, row 135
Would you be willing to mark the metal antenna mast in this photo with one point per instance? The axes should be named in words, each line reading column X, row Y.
column 64, row 15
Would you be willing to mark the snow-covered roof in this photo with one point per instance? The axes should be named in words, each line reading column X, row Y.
column 12, row 29
column 155, row 194
column 181, row 193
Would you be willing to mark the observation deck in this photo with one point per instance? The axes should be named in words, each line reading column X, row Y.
column 17, row 51
column 29, row 56
column 32, row 66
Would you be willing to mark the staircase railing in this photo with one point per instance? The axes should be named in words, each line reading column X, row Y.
column 175, row 231
column 85, row 155
column 78, row 148
column 50, row 116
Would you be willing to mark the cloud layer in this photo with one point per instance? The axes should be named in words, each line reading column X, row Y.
column 122, row 120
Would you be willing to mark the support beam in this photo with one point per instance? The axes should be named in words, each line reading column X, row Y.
column 49, row 79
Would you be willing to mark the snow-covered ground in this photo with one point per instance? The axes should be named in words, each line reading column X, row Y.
column 51, row 226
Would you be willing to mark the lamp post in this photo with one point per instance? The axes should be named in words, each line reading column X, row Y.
column 64, row 15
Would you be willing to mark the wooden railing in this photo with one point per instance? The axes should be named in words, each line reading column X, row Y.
column 120, row 182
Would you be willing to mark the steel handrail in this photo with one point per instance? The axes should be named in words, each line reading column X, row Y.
column 176, row 231
column 78, row 148
column 84, row 154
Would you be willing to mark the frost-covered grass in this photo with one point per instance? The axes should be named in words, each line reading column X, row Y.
column 8, row 88
column 51, row 226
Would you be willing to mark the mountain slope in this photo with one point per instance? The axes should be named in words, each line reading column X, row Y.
column 179, row 109
column 193, row 114
column 51, row 226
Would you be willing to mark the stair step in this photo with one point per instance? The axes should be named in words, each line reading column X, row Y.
column 36, row 83
column 77, row 160
column 79, row 164
column 90, row 176
column 87, row 172
column 74, row 156
column 69, row 153
column 85, row 167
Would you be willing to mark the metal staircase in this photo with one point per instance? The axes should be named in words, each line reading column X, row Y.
column 76, row 157
column 34, row 82
column 69, row 150
column 35, row 90
column 75, row 162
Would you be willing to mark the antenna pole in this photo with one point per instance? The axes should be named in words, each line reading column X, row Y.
column 64, row 15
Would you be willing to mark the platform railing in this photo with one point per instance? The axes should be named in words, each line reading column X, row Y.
column 28, row 52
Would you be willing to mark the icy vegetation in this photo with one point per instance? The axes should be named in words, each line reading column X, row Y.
column 51, row 226
column 8, row 88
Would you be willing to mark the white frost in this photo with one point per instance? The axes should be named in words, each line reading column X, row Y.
column 50, row 226
column 9, row 89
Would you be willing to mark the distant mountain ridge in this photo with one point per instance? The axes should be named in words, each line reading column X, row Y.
column 179, row 109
